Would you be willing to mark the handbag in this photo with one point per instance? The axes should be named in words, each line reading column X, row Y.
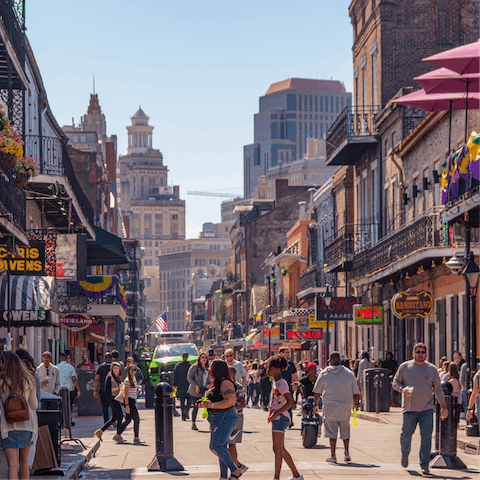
column 121, row 396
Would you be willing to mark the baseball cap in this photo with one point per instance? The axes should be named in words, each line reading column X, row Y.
column 46, row 352
column 310, row 365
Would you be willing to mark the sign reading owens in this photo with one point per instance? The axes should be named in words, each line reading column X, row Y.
column 25, row 261
column 412, row 304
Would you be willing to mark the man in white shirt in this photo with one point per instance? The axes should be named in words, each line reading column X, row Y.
column 49, row 374
column 241, row 376
column 68, row 379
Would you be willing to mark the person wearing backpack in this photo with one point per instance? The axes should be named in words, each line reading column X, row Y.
column 18, row 422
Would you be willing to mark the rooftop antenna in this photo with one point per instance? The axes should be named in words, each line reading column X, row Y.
column 94, row 84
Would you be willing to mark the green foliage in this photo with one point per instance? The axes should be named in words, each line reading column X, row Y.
column 221, row 312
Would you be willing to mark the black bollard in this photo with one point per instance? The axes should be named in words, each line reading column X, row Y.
column 447, row 437
column 164, row 460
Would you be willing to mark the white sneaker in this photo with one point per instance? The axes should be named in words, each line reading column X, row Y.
column 347, row 457
column 331, row 459
column 296, row 478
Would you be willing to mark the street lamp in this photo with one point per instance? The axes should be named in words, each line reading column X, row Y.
column 269, row 325
column 327, row 298
column 471, row 274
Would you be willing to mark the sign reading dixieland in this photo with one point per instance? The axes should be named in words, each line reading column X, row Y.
column 25, row 261
column 419, row 304
column 75, row 322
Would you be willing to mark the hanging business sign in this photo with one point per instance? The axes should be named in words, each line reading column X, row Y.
column 301, row 331
column 75, row 322
column 24, row 260
column 368, row 314
column 340, row 308
column 25, row 318
column 412, row 305
column 71, row 251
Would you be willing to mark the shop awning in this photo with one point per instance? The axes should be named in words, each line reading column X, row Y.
column 31, row 299
column 106, row 249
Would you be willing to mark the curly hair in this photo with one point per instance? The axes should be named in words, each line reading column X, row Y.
column 278, row 361
column 14, row 377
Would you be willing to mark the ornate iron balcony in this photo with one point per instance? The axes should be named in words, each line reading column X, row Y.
column 420, row 234
column 13, row 198
column 341, row 246
column 350, row 135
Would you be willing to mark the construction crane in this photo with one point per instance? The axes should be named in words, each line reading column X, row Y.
column 214, row 194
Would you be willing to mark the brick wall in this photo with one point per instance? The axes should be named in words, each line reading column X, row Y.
column 406, row 32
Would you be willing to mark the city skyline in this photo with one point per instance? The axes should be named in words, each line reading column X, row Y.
column 199, row 92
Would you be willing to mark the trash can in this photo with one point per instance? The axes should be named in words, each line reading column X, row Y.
column 370, row 394
column 53, row 419
column 88, row 405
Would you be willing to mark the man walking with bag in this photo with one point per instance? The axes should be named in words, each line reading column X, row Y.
column 418, row 380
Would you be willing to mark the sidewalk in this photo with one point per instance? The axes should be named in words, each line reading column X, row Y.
column 394, row 417
column 73, row 456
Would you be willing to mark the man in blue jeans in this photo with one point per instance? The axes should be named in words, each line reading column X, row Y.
column 418, row 379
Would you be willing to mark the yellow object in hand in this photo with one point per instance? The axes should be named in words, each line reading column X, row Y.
column 204, row 411
column 174, row 394
column 355, row 421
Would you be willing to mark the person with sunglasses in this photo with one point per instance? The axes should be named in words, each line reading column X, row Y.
column 241, row 376
column 418, row 380
column 49, row 374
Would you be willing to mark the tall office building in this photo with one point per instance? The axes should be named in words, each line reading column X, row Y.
column 290, row 113
column 152, row 211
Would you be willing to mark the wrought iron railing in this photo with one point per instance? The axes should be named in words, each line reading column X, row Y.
column 315, row 276
column 12, row 15
column 12, row 198
column 47, row 152
column 352, row 122
column 348, row 240
column 423, row 233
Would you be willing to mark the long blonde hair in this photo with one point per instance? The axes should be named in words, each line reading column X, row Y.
column 14, row 377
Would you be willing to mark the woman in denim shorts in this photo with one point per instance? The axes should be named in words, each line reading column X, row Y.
column 280, row 402
column 17, row 437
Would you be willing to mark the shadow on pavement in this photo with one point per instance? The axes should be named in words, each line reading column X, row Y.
column 357, row 465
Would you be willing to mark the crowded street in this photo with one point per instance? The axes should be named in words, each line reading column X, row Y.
column 375, row 452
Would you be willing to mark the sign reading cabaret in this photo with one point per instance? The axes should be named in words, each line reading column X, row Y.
column 412, row 305
column 368, row 314
column 25, row 261
column 340, row 308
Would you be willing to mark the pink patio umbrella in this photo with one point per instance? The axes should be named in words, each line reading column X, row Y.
column 437, row 102
column 444, row 80
column 464, row 59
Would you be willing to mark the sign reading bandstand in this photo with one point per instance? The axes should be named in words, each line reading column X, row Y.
column 412, row 305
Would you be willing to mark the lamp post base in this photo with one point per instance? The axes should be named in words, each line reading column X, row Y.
column 447, row 461
column 162, row 464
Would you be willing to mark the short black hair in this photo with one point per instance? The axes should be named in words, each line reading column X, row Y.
column 278, row 361
column 115, row 354
column 185, row 355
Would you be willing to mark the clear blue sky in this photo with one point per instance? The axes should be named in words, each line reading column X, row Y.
column 196, row 68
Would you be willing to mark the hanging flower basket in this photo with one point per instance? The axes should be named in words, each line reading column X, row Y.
column 8, row 161
column 21, row 179
column 25, row 168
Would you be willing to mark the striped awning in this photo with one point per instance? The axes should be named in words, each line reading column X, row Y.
column 27, row 294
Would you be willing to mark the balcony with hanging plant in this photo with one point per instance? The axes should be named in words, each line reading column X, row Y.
column 11, row 144
column 26, row 168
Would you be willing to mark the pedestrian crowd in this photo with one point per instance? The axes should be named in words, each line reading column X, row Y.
column 226, row 386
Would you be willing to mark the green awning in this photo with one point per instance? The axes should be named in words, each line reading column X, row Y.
column 106, row 249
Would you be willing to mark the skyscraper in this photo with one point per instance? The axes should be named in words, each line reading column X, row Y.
column 290, row 112
column 152, row 211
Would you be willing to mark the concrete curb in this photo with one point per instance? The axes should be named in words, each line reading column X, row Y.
column 470, row 447
column 372, row 418
column 74, row 471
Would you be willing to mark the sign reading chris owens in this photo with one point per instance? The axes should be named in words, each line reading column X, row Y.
column 419, row 304
column 25, row 260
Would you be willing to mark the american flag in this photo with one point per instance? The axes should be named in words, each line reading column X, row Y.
column 161, row 322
